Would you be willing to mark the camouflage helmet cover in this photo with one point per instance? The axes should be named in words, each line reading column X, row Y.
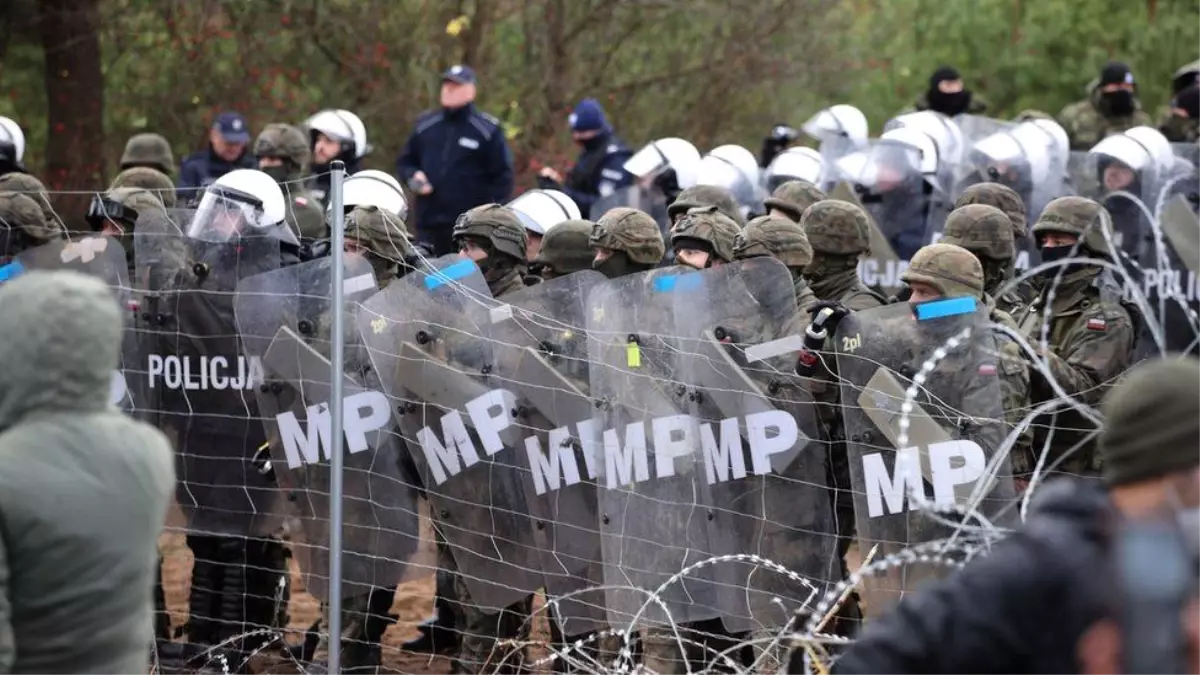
column 706, row 195
column 566, row 247
column 710, row 225
column 498, row 225
column 794, row 197
column 380, row 232
column 780, row 238
column 1000, row 196
column 150, row 150
column 284, row 141
column 148, row 179
column 33, row 188
column 835, row 227
column 1082, row 217
column 981, row 229
column 952, row 270
column 631, row 232
column 22, row 212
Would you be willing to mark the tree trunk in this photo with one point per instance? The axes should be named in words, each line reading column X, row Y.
column 75, row 104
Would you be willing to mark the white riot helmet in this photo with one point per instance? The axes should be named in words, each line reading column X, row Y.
column 795, row 163
column 1040, row 144
column 12, row 143
column 1144, row 150
column 734, row 168
column 540, row 210
column 946, row 135
column 666, row 154
column 344, row 127
column 901, row 155
column 372, row 187
column 242, row 203
column 839, row 122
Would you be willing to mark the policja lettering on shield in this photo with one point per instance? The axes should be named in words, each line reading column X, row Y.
column 206, row 373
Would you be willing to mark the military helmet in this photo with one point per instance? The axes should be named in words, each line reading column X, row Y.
column 709, row 225
column 631, row 232
column 496, row 224
column 981, row 229
column 380, row 232
column 952, row 270
column 566, row 247
column 22, row 212
column 835, row 227
column 33, row 188
column 149, row 150
column 148, row 179
column 284, row 141
column 1000, row 196
column 706, row 195
column 794, row 197
column 1080, row 216
column 780, row 238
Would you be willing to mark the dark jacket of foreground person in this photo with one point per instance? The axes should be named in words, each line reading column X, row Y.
column 83, row 489
column 1021, row 609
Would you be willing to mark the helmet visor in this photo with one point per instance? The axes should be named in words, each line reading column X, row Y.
column 225, row 214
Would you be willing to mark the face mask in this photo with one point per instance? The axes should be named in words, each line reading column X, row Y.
column 1057, row 253
column 1118, row 103
column 279, row 174
column 1177, row 129
column 949, row 104
column 824, row 267
column 995, row 273
column 615, row 265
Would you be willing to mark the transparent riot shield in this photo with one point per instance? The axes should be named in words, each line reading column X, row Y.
column 541, row 353
column 925, row 432
column 648, row 200
column 759, row 443
column 428, row 337
column 201, row 381
column 1170, row 274
column 285, row 319
column 975, row 128
column 881, row 267
column 103, row 258
column 654, row 501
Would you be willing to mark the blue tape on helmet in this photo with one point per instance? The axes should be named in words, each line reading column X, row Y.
column 678, row 282
column 11, row 271
column 448, row 274
column 938, row 309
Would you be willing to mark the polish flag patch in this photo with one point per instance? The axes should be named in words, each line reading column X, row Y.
column 987, row 369
column 301, row 201
column 1097, row 325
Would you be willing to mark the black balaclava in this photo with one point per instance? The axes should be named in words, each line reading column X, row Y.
column 1119, row 103
column 618, row 265
column 947, row 104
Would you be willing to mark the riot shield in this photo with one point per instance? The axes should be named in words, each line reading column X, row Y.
column 648, row 200
column 541, row 353
column 1171, row 280
column 943, row 446
column 654, row 501
column 759, row 444
column 201, row 380
column 285, row 318
column 427, row 336
column 975, row 128
column 881, row 267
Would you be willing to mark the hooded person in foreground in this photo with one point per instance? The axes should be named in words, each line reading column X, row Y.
column 84, row 490
column 1039, row 601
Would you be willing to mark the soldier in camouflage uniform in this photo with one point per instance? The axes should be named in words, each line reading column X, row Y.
column 951, row 270
column 147, row 150
column 566, row 248
column 22, row 226
column 985, row 231
column 383, row 239
column 1179, row 119
column 703, row 238
column 117, row 212
column 839, row 234
column 626, row 241
column 782, row 239
column 791, row 199
column 33, row 188
column 1111, row 107
column 493, row 236
column 1091, row 333
column 1008, row 201
column 706, row 195
column 153, row 180
column 284, row 154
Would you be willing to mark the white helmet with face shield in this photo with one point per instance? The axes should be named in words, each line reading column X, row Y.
column 795, row 163
column 666, row 154
column 372, row 187
column 540, row 210
column 12, row 144
column 344, row 127
column 839, row 122
column 734, row 168
column 242, row 203
column 1139, row 160
column 899, row 156
column 1031, row 158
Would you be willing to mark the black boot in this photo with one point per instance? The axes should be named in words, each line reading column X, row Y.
column 437, row 632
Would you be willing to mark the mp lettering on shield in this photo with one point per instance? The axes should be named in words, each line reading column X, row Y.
column 624, row 452
column 364, row 413
column 951, row 464
column 204, row 373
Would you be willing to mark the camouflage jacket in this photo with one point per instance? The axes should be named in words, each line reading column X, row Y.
column 1178, row 129
column 1091, row 337
column 1086, row 125
column 847, row 289
column 304, row 214
column 510, row 283
column 978, row 105
column 1013, row 372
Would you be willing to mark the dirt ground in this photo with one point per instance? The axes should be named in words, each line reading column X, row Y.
column 413, row 604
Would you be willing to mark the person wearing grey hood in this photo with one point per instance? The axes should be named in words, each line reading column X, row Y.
column 84, row 491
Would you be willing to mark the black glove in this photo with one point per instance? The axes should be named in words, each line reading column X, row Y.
column 668, row 183
column 545, row 183
column 838, row 312
column 781, row 136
